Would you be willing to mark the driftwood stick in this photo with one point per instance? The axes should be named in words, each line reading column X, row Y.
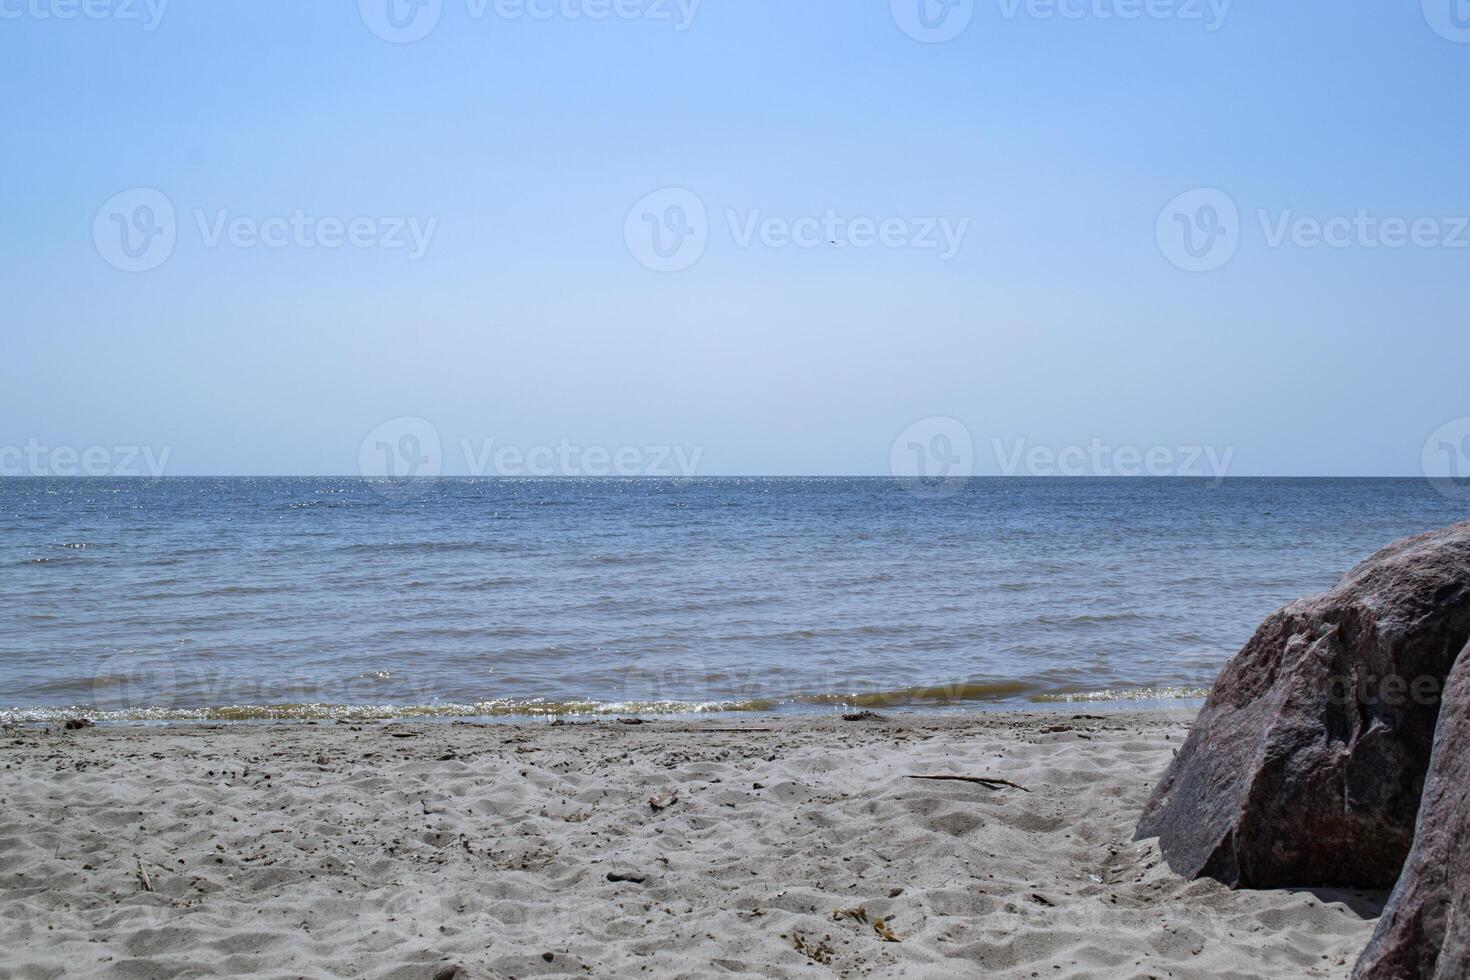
column 143, row 877
column 985, row 781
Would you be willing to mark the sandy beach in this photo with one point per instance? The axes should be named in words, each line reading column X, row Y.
column 532, row 850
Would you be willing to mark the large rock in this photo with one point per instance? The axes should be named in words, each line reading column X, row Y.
column 1425, row 930
column 1306, row 764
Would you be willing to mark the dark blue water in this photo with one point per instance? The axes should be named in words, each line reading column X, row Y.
column 138, row 598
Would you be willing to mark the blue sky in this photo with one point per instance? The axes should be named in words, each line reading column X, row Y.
column 520, row 146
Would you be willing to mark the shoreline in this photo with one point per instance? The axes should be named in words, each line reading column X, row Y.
column 530, row 712
column 399, row 850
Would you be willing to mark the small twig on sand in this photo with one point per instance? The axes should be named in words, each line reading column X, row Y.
column 631, row 876
column 143, row 877
column 980, row 780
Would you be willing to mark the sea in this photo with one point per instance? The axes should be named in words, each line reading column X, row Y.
column 247, row 599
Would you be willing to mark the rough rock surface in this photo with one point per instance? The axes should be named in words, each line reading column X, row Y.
column 1306, row 764
column 1425, row 930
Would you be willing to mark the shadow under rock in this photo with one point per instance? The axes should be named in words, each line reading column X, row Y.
column 1365, row 903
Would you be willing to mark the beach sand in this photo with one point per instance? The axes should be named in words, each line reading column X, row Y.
column 531, row 850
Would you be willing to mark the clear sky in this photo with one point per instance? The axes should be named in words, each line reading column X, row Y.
column 1048, row 139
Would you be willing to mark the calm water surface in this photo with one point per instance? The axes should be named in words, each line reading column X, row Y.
column 237, row 598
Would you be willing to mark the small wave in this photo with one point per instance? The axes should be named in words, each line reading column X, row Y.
column 426, row 547
column 67, row 559
column 594, row 561
column 926, row 695
column 1085, row 619
column 1127, row 694
column 225, row 591
column 383, row 712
